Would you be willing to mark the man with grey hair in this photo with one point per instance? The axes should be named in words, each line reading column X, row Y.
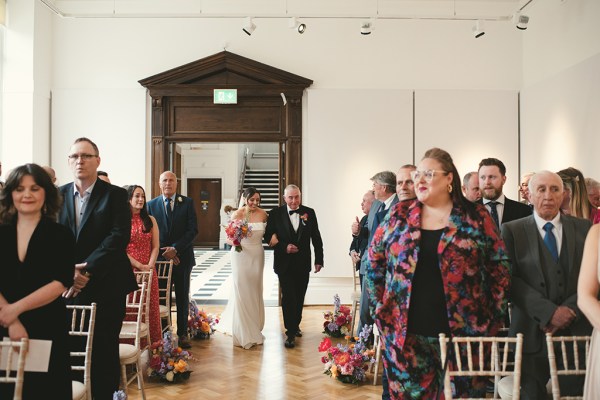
column 546, row 249
column 290, row 230
column 470, row 186
column 384, row 188
column 593, row 189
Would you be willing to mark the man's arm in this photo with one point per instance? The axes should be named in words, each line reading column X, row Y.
column 191, row 229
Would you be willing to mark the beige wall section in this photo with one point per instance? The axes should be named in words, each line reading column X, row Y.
column 470, row 125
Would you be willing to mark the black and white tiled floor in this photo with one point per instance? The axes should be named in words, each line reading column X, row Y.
column 211, row 278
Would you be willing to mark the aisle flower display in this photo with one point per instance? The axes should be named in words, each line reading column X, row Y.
column 169, row 362
column 337, row 323
column 348, row 362
column 200, row 324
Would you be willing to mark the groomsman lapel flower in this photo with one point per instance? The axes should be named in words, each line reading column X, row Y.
column 179, row 199
column 304, row 218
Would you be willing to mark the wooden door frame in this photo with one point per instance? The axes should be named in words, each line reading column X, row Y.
column 259, row 86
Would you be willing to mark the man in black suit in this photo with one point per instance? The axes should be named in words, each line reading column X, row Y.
column 98, row 215
column 360, row 231
column 290, row 230
column 492, row 177
column 546, row 250
column 178, row 227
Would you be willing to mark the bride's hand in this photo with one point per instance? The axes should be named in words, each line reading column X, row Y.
column 274, row 240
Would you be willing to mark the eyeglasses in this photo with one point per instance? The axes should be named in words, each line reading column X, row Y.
column 524, row 185
column 427, row 175
column 84, row 157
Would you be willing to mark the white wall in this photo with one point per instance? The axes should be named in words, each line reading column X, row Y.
column 560, row 123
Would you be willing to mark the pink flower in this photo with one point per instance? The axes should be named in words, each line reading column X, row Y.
column 340, row 320
column 325, row 345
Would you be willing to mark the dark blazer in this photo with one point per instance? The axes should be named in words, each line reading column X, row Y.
column 183, row 229
column 375, row 217
column 102, row 240
column 359, row 242
column 532, row 309
column 308, row 229
column 512, row 210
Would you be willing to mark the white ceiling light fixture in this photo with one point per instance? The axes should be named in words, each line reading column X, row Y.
column 366, row 27
column 478, row 30
column 293, row 23
column 248, row 26
column 520, row 21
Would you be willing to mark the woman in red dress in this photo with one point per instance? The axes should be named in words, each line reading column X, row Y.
column 142, row 251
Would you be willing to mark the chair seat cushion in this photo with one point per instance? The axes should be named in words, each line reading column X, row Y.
column 128, row 329
column 78, row 390
column 128, row 353
column 505, row 387
column 164, row 310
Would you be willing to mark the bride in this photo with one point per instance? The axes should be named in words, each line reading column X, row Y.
column 244, row 316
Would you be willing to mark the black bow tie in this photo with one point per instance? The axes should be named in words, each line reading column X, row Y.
column 296, row 211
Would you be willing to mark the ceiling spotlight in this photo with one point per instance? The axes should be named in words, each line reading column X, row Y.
column 520, row 21
column 478, row 29
column 366, row 28
column 295, row 24
column 248, row 26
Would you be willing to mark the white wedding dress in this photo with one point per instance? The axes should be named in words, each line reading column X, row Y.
column 244, row 316
column 592, row 377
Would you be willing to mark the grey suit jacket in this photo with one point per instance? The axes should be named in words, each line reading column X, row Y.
column 532, row 309
column 373, row 220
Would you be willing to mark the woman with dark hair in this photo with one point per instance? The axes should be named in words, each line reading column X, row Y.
column 37, row 266
column 437, row 265
column 142, row 251
column 244, row 316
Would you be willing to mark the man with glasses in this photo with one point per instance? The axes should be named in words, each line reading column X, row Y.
column 492, row 177
column 98, row 215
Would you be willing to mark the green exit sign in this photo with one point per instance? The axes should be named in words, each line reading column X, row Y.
column 225, row 96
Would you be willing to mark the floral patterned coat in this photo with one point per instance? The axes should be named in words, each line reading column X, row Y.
column 473, row 261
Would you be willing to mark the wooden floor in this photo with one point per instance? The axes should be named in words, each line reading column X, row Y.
column 269, row 371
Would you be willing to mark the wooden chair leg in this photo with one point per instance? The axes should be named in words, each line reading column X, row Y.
column 124, row 377
column 140, row 378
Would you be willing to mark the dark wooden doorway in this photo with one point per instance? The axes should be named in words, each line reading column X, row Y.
column 268, row 109
column 206, row 194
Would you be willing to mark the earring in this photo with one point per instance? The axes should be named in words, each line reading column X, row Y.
column 449, row 188
column 44, row 210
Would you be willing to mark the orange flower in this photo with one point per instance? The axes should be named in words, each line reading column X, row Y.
column 180, row 366
column 342, row 358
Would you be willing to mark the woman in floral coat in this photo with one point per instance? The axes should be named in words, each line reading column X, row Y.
column 437, row 265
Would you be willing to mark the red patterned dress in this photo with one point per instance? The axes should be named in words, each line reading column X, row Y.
column 140, row 247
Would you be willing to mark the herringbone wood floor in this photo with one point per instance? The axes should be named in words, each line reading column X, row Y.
column 270, row 371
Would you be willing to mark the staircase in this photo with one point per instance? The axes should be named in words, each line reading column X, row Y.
column 266, row 181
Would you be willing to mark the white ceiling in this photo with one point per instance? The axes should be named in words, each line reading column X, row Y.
column 381, row 9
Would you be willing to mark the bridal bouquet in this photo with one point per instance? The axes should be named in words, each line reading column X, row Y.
column 169, row 362
column 200, row 324
column 237, row 230
column 337, row 323
column 348, row 362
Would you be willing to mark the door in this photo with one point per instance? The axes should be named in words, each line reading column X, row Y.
column 206, row 194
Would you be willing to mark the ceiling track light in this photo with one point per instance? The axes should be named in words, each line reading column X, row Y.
column 478, row 30
column 248, row 26
column 293, row 23
column 366, row 27
column 520, row 20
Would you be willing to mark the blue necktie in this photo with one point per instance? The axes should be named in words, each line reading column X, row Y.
column 494, row 212
column 169, row 211
column 550, row 241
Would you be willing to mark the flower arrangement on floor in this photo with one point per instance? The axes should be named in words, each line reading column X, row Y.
column 119, row 395
column 337, row 323
column 200, row 324
column 169, row 362
column 348, row 362
column 236, row 230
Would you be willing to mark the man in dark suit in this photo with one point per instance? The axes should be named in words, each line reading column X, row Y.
column 290, row 230
column 492, row 177
column 384, row 187
column 360, row 231
column 546, row 250
column 99, row 217
column 178, row 227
